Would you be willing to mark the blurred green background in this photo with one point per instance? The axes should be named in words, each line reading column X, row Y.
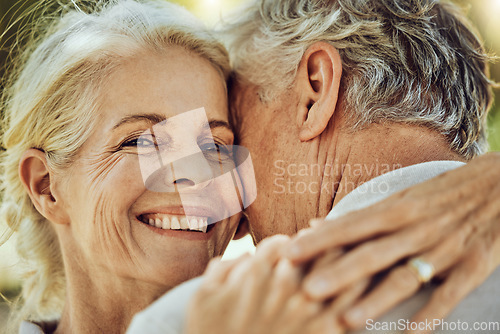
column 484, row 13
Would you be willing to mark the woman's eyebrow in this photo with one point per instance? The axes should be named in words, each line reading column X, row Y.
column 157, row 118
column 150, row 118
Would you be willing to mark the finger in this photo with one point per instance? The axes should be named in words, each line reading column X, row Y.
column 212, row 266
column 350, row 296
column 298, row 316
column 462, row 280
column 368, row 259
column 349, row 229
column 495, row 247
column 214, row 279
column 259, row 268
column 271, row 249
column 327, row 322
column 284, row 283
column 326, row 260
column 316, row 222
column 303, row 232
column 254, row 278
column 299, row 309
column 217, row 270
column 251, row 287
column 400, row 284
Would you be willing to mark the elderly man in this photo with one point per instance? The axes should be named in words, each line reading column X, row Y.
column 344, row 103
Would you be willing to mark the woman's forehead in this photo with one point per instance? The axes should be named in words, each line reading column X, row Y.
column 166, row 85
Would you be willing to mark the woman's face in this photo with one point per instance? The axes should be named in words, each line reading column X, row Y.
column 147, row 112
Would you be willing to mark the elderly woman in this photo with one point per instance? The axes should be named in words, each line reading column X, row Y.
column 102, row 232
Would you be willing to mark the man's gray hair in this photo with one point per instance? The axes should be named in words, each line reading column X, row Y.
column 412, row 61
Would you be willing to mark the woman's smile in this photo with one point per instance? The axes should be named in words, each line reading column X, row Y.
column 173, row 222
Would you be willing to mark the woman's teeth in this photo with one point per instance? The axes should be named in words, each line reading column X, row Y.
column 170, row 222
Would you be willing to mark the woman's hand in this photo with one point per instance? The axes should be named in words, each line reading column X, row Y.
column 260, row 295
column 451, row 222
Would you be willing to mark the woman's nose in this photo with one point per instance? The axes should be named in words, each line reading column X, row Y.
column 193, row 171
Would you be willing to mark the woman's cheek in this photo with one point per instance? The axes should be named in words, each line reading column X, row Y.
column 115, row 185
column 113, row 244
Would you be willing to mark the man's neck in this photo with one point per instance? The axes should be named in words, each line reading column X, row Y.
column 355, row 157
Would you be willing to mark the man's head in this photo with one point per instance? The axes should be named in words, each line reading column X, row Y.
column 305, row 69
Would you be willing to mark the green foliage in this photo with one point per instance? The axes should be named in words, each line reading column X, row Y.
column 494, row 127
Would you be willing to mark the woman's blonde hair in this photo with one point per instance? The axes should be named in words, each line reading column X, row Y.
column 51, row 104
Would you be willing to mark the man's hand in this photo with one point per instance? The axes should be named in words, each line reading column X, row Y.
column 451, row 221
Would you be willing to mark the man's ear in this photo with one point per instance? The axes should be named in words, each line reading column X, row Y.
column 318, row 82
column 36, row 179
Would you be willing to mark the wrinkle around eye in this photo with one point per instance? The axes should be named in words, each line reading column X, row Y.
column 150, row 145
column 100, row 166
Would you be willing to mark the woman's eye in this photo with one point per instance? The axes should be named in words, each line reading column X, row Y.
column 139, row 142
column 223, row 149
column 214, row 147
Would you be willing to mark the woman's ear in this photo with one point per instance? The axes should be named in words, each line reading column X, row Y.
column 36, row 179
column 243, row 228
column 318, row 82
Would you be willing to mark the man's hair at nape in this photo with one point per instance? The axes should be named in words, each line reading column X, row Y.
column 418, row 61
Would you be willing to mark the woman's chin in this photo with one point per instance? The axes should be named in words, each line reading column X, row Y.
column 179, row 255
column 175, row 248
column 174, row 271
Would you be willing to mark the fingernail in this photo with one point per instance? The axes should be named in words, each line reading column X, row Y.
column 304, row 231
column 315, row 222
column 354, row 315
column 294, row 251
column 317, row 287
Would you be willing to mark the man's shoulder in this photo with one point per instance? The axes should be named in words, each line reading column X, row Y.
column 387, row 184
